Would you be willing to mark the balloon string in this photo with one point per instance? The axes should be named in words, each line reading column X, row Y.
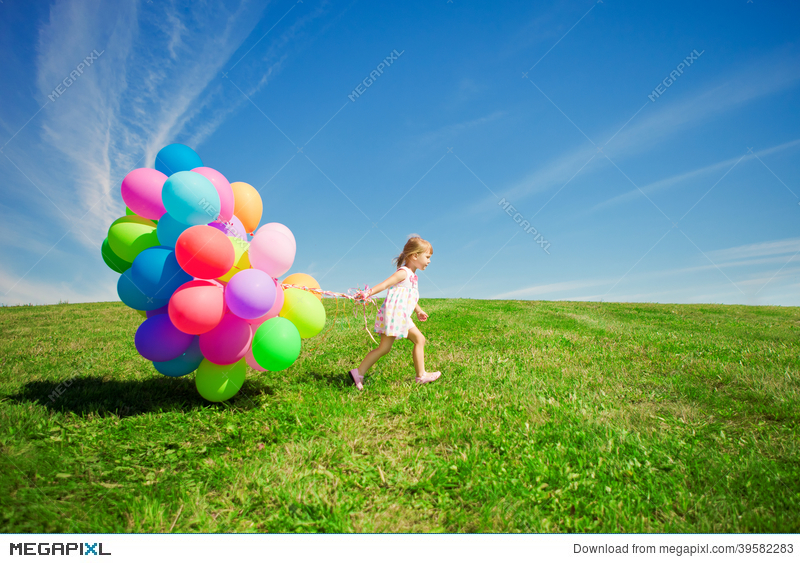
column 356, row 295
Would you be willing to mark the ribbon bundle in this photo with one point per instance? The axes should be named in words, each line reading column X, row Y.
column 357, row 295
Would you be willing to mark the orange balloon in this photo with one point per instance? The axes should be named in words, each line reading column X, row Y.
column 304, row 280
column 247, row 205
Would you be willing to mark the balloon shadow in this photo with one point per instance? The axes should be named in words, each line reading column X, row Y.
column 98, row 396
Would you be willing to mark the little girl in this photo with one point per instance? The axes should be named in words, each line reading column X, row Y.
column 394, row 317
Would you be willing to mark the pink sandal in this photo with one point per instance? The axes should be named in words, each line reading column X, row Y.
column 357, row 379
column 428, row 377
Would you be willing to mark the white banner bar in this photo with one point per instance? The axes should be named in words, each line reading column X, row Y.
column 404, row 548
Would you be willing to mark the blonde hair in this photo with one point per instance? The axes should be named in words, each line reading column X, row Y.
column 415, row 245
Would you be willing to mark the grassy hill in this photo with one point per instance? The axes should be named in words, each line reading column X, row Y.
column 549, row 417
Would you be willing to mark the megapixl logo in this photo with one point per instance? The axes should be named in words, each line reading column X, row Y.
column 57, row 549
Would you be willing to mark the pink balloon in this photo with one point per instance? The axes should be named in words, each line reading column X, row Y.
column 141, row 191
column 280, row 228
column 273, row 312
column 224, row 190
column 228, row 342
column 272, row 252
column 276, row 308
column 232, row 228
column 251, row 361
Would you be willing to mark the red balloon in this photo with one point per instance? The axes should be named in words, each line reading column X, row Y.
column 197, row 306
column 204, row 252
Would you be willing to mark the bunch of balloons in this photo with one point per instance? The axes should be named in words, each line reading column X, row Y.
column 209, row 293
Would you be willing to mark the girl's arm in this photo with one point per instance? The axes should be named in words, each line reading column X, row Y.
column 395, row 278
column 421, row 315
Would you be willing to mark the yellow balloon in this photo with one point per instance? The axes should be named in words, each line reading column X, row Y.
column 305, row 312
column 304, row 280
column 244, row 263
column 247, row 205
column 240, row 261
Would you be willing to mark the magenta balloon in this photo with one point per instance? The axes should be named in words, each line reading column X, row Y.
column 280, row 228
column 250, row 294
column 271, row 252
column 234, row 228
column 223, row 189
column 141, row 192
column 228, row 342
column 158, row 340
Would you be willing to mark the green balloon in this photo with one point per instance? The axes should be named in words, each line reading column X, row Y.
column 129, row 212
column 218, row 383
column 305, row 311
column 131, row 234
column 276, row 344
column 112, row 260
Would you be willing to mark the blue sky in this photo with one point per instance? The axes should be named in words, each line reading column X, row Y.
column 691, row 196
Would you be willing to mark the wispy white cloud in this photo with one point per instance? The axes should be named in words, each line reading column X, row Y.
column 678, row 179
column 757, row 250
column 654, row 124
column 551, row 288
column 763, row 78
column 452, row 130
column 37, row 292
column 158, row 80
column 777, row 254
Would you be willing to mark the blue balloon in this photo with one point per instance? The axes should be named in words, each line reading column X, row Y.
column 184, row 364
column 157, row 273
column 134, row 297
column 190, row 198
column 177, row 158
column 158, row 340
column 169, row 229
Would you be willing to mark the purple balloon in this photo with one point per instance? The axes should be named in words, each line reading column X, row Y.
column 234, row 228
column 158, row 340
column 250, row 294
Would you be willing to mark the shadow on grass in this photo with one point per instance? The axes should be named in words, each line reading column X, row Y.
column 93, row 395
column 338, row 379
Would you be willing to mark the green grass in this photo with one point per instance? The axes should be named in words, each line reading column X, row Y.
column 549, row 417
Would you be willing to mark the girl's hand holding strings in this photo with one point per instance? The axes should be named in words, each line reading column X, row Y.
column 361, row 295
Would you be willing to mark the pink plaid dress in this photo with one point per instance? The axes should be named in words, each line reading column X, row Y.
column 394, row 317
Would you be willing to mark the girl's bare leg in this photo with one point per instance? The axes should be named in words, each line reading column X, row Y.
column 418, row 353
column 376, row 354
